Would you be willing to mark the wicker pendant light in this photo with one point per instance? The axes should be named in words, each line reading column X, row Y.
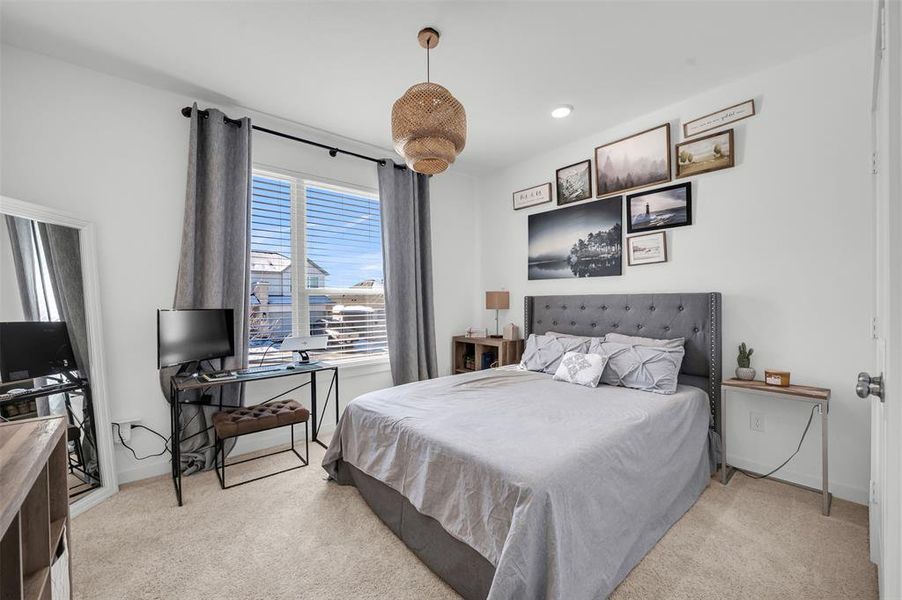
column 428, row 124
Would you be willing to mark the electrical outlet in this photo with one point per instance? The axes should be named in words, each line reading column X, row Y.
column 756, row 421
column 122, row 430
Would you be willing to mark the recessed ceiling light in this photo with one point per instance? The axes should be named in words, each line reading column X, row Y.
column 562, row 111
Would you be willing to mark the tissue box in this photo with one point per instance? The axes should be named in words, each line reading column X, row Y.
column 779, row 378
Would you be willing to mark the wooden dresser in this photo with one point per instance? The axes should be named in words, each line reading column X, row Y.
column 34, row 508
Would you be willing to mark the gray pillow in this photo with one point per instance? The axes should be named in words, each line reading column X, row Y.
column 586, row 338
column 644, row 341
column 544, row 353
column 648, row 368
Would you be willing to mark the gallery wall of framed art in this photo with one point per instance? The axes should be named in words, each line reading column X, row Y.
column 576, row 239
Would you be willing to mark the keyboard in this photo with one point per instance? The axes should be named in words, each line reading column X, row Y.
column 260, row 369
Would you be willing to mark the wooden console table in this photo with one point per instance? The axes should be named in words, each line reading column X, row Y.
column 34, row 506
column 800, row 393
column 507, row 352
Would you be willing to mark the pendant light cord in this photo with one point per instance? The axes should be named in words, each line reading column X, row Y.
column 428, row 45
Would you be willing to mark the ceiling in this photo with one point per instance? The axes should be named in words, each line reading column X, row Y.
column 339, row 66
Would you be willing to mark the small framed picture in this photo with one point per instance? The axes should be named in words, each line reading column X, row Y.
column 538, row 194
column 662, row 208
column 574, row 182
column 646, row 249
column 705, row 154
column 718, row 119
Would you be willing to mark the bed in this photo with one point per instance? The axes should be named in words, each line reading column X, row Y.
column 510, row 485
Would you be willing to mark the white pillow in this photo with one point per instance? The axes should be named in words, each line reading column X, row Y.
column 581, row 369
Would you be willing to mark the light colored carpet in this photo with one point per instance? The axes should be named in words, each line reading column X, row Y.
column 297, row 536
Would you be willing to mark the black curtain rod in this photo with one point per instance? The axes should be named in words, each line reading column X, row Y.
column 333, row 151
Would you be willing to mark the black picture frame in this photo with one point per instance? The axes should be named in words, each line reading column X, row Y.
column 557, row 183
column 660, row 223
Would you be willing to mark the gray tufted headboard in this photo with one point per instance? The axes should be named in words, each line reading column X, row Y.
column 696, row 317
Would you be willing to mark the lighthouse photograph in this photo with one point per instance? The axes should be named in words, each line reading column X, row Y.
column 659, row 209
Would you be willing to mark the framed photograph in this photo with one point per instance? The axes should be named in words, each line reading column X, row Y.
column 646, row 249
column 538, row 194
column 574, row 182
column 633, row 162
column 659, row 209
column 718, row 119
column 705, row 154
column 585, row 240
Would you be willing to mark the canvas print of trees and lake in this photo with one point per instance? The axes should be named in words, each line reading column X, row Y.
column 637, row 161
column 585, row 240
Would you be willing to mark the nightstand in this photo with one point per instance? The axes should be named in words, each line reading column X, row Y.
column 799, row 393
column 503, row 352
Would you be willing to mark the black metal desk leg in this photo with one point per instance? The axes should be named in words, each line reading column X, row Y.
column 313, row 411
column 335, row 377
column 176, row 449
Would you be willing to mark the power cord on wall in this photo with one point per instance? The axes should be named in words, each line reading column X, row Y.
column 132, row 450
column 804, row 433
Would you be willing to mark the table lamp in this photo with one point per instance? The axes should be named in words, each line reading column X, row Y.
column 497, row 301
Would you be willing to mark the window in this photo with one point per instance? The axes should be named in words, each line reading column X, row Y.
column 336, row 236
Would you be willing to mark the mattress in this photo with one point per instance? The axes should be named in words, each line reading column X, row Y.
column 561, row 488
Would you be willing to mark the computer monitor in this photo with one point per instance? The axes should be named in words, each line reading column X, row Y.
column 185, row 336
column 30, row 349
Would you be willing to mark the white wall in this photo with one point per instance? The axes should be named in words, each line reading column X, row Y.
column 114, row 152
column 784, row 236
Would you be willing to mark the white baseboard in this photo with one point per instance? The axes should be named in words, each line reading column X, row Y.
column 248, row 443
column 838, row 489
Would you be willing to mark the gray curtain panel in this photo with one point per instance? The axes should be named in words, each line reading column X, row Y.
column 62, row 253
column 213, row 264
column 21, row 239
column 407, row 263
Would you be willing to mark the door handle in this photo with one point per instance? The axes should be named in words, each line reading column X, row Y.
column 869, row 386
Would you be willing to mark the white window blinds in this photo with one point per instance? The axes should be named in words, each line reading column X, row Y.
column 334, row 288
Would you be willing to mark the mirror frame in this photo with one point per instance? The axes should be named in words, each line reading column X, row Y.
column 93, row 318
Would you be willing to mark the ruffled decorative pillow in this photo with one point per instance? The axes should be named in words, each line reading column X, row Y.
column 648, row 368
column 544, row 353
column 581, row 369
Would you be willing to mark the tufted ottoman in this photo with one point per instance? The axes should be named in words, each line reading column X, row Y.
column 236, row 422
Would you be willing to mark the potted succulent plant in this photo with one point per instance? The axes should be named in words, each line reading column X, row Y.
column 744, row 360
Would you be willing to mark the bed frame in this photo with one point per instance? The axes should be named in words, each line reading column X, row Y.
column 696, row 317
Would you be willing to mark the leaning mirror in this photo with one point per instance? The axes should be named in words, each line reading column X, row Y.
column 49, row 339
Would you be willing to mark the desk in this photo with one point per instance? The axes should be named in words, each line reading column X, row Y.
column 800, row 393
column 180, row 384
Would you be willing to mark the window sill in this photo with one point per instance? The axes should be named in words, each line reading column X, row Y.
column 367, row 366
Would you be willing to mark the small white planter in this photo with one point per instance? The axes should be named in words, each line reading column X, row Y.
column 745, row 373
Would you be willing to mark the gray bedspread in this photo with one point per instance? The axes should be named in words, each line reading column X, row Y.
column 563, row 488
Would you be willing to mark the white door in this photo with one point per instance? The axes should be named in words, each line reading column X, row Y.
column 886, row 413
